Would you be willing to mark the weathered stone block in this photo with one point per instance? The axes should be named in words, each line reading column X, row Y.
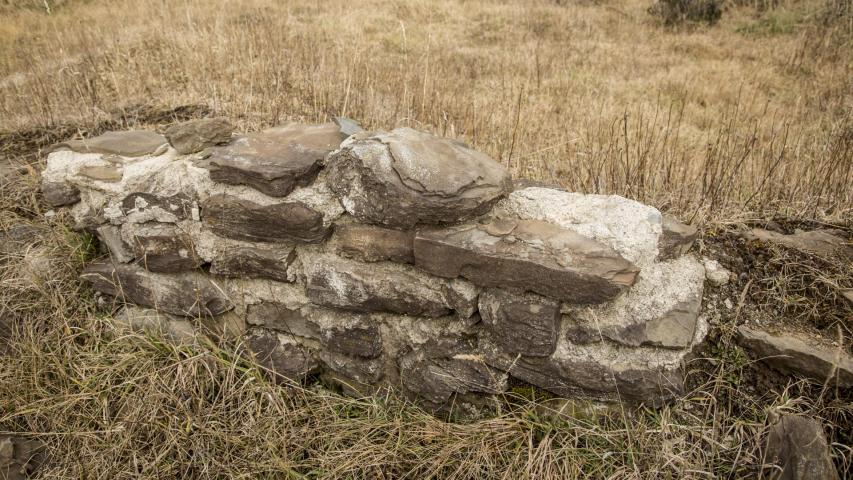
column 526, row 324
column 338, row 282
column 110, row 236
column 282, row 356
column 195, row 135
column 529, row 255
column 140, row 207
column 188, row 294
column 58, row 194
column 164, row 248
column 232, row 217
column 405, row 177
column 373, row 244
column 253, row 262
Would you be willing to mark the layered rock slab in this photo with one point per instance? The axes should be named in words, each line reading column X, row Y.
column 529, row 255
column 276, row 161
column 240, row 219
column 404, row 177
column 186, row 294
column 195, row 135
column 525, row 324
column 342, row 283
column 131, row 143
column 373, row 244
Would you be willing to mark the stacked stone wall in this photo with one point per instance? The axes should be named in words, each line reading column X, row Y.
column 387, row 259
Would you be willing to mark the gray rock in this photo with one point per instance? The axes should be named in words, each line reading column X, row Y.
column 276, row 161
column 347, row 126
column 20, row 457
column 406, row 177
column 794, row 352
column 188, row 294
column 131, row 143
column 362, row 370
column 526, row 254
column 110, row 236
column 525, row 324
column 342, row 283
column 716, row 273
column 58, row 194
column 232, row 217
column 142, row 207
column 826, row 242
column 253, row 262
column 373, row 244
column 282, row 357
column 195, row 135
column 341, row 332
column 436, row 372
column 797, row 446
column 676, row 238
column 164, row 248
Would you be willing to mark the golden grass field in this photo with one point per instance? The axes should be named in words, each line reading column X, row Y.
column 749, row 119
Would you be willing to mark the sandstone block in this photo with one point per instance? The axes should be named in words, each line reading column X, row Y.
column 405, row 177
column 529, row 255
column 195, row 135
column 526, row 324
column 188, row 294
column 232, row 217
column 338, row 282
column 373, row 244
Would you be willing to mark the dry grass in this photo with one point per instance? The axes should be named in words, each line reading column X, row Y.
column 751, row 115
column 748, row 119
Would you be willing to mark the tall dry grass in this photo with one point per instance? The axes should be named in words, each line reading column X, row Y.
column 753, row 115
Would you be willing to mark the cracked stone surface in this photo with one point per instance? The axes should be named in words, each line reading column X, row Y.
column 405, row 177
column 526, row 254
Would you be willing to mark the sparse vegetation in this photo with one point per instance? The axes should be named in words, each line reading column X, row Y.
column 745, row 121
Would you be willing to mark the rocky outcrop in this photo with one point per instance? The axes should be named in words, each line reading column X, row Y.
column 796, row 353
column 526, row 254
column 404, row 177
column 386, row 260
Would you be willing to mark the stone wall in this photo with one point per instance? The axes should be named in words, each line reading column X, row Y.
column 385, row 259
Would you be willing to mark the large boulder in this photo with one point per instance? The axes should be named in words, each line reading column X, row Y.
column 233, row 217
column 195, row 135
column 405, row 177
column 795, row 352
column 188, row 294
column 342, row 283
column 529, row 255
column 277, row 160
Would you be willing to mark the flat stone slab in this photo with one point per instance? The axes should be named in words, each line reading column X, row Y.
column 826, row 242
column 526, row 324
column 797, row 448
column 275, row 161
column 405, row 177
column 187, row 294
column 373, row 244
column 131, row 143
column 283, row 357
column 195, row 135
column 797, row 353
column 342, row 283
column 676, row 238
column 232, row 217
column 529, row 255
